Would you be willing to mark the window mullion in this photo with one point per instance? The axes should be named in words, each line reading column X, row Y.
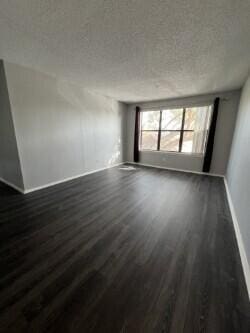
column 159, row 132
column 182, row 129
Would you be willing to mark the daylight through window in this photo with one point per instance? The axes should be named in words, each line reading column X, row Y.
column 182, row 130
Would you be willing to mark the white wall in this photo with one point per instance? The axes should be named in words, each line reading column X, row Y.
column 62, row 130
column 223, row 138
column 238, row 172
column 10, row 168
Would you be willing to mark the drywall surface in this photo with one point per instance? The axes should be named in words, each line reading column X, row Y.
column 223, row 138
column 238, row 172
column 62, row 130
column 10, row 168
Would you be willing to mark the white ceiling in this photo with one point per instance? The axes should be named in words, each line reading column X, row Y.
column 132, row 50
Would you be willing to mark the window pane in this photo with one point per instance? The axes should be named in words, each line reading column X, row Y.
column 194, row 142
column 149, row 140
column 187, row 143
column 171, row 119
column 170, row 141
column 150, row 120
column 197, row 119
column 190, row 118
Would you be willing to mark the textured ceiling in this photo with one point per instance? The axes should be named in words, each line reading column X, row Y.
column 132, row 50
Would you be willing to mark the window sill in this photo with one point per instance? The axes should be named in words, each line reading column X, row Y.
column 171, row 153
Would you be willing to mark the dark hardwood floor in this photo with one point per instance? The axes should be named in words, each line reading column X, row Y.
column 121, row 251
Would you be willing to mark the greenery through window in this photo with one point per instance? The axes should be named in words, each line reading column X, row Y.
column 182, row 130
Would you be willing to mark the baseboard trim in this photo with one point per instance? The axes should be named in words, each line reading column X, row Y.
column 243, row 256
column 69, row 178
column 12, row 185
column 175, row 169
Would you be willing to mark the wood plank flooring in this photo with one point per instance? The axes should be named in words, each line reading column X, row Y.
column 121, row 251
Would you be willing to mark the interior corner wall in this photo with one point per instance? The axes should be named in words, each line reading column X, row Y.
column 10, row 167
column 238, row 172
column 223, row 137
column 62, row 130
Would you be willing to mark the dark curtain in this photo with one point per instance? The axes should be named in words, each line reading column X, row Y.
column 137, row 134
column 210, row 139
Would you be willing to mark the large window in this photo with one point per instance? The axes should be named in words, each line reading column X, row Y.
column 182, row 130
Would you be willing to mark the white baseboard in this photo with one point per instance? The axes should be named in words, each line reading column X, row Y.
column 175, row 169
column 243, row 256
column 68, row 179
column 12, row 185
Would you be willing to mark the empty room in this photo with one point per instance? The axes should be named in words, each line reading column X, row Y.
column 125, row 166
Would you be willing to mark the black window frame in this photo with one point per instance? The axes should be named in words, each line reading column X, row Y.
column 159, row 130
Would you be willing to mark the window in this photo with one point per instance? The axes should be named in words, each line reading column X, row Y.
column 182, row 130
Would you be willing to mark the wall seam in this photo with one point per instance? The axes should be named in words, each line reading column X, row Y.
column 15, row 136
